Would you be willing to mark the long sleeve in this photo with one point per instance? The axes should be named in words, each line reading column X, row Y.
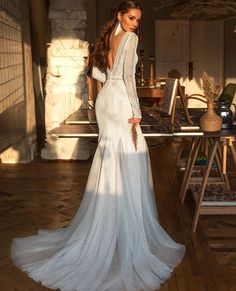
column 129, row 73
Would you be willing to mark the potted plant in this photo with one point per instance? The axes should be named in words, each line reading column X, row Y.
column 210, row 121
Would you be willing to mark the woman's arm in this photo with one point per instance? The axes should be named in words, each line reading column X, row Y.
column 129, row 74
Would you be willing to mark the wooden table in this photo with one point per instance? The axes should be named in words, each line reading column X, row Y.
column 154, row 95
column 146, row 92
column 150, row 95
column 82, row 123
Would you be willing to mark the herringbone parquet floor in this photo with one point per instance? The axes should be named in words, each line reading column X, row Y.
column 46, row 195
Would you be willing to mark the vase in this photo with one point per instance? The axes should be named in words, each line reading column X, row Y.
column 210, row 121
column 226, row 114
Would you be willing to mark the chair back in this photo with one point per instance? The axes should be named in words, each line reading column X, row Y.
column 169, row 94
column 196, row 101
column 228, row 94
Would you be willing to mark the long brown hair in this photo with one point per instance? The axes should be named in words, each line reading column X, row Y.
column 102, row 46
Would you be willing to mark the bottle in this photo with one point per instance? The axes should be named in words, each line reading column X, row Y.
column 226, row 114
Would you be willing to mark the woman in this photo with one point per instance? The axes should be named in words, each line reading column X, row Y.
column 114, row 241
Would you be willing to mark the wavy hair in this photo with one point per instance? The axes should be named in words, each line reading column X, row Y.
column 102, row 47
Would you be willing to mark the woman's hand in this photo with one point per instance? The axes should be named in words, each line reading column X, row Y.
column 134, row 120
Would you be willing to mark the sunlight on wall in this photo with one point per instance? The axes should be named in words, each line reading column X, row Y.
column 66, row 81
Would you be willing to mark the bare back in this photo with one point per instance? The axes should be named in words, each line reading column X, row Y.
column 114, row 44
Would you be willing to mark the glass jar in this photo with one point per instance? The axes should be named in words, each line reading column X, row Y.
column 226, row 114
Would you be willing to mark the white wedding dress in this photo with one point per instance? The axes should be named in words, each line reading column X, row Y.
column 115, row 241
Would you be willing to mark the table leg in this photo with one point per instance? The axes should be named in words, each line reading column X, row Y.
column 232, row 149
column 224, row 177
column 203, row 185
column 189, row 167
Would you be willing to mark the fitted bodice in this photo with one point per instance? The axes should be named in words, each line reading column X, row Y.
column 123, row 69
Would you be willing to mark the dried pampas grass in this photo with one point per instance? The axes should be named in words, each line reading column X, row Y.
column 210, row 87
column 134, row 135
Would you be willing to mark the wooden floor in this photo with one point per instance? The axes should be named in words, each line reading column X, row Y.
column 47, row 194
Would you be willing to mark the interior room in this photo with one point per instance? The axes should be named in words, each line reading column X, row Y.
column 185, row 83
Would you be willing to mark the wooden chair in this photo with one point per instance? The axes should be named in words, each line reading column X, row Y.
column 201, row 98
column 228, row 94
